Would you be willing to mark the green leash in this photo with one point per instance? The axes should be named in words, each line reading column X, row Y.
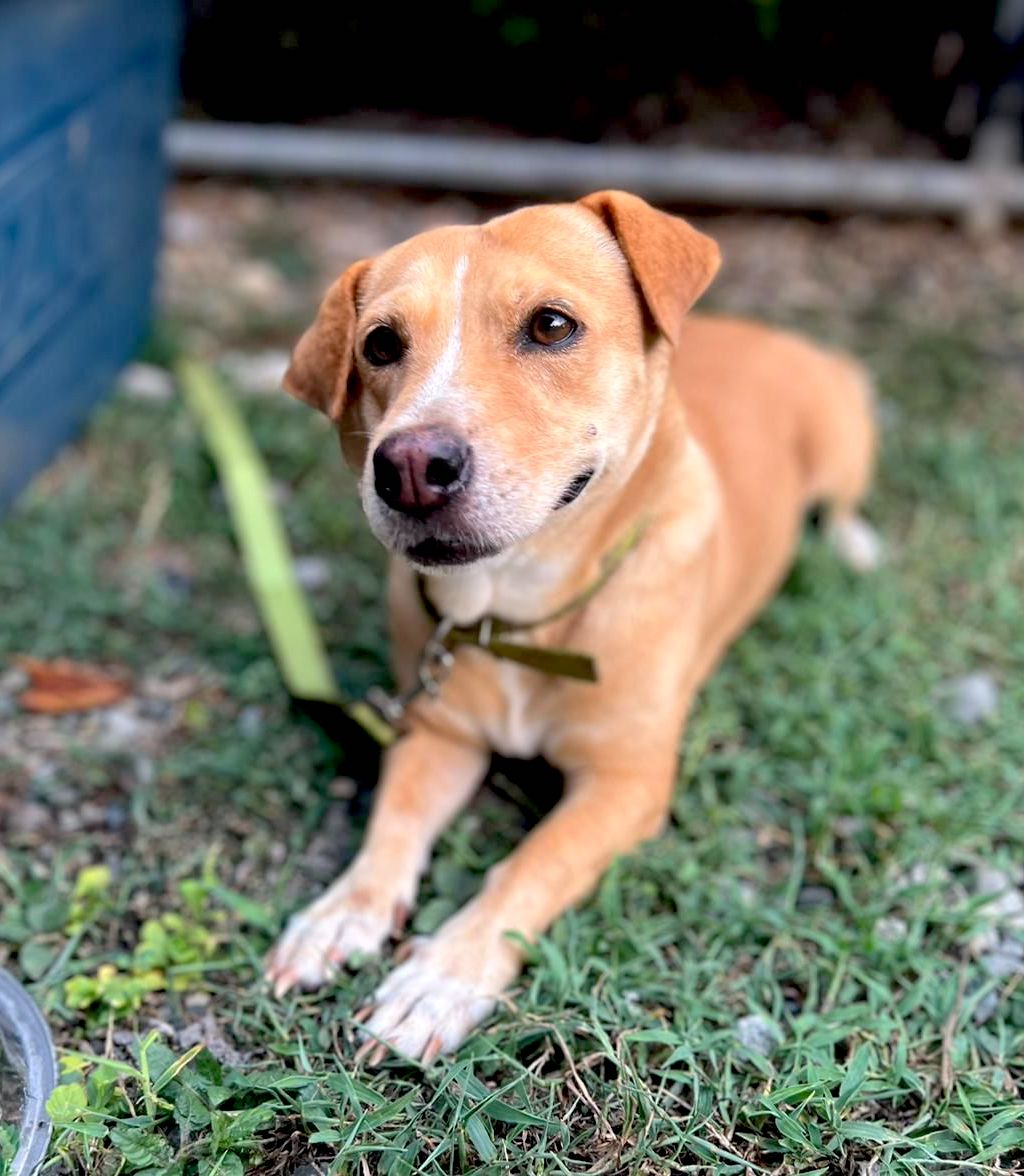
column 266, row 555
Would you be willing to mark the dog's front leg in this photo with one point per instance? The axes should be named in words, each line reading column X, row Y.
column 453, row 979
column 426, row 779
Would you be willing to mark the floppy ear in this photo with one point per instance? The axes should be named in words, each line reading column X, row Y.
column 322, row 363
column 672, row 262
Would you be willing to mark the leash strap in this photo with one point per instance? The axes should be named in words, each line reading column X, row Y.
column 267, row 558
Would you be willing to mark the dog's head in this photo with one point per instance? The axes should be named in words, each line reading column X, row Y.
column 483, row 378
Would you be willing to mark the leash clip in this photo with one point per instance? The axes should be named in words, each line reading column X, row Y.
column 390, row 707
column 437, row 659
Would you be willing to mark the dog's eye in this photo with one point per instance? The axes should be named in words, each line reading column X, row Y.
column 548, row 327
column 383, row 345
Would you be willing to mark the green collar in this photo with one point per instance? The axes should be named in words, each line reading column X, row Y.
column 388, row 710
column 489, row 632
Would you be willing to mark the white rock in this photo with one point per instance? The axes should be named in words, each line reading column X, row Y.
column 313, row 572
column 1007, row 902
column 891, row 929
column 758, row 1034
column 972, row 699
column 121, row 727
column 146, row 381
column 183, row 227
column 1005, row 960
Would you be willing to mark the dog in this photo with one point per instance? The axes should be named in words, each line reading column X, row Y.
column 545, row 436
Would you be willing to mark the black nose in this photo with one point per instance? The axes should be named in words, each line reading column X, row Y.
column 417, row 471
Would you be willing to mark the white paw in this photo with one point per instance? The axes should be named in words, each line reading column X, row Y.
column 343, row 923
column 857, row 543
column 431, row 1003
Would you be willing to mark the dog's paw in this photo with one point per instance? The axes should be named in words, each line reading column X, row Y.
column 857, row 543
column 345, row 923
column 431, row 1002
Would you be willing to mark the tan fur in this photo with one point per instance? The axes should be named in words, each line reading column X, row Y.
column 716, row 433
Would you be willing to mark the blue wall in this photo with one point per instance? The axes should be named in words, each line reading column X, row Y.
column 85, row 88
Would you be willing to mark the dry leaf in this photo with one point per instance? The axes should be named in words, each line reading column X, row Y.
column 62, row 687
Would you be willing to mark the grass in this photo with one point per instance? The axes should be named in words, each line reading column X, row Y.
column 820, row 873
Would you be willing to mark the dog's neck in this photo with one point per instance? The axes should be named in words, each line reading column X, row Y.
column 535, row 577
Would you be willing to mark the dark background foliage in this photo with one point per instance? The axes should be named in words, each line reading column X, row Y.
column 587, row 71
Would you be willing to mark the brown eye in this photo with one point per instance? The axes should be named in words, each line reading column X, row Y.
column 548, row 327
column 383, row 345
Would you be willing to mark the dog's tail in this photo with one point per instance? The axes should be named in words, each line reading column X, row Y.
column 842, row 459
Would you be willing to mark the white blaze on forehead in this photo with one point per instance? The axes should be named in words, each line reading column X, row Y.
column 439, row 380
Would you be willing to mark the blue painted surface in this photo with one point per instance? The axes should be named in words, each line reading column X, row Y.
column 85, row 89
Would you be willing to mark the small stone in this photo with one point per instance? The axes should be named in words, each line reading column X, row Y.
column 69, row 821
column 122, row 728
column 986, row 939
column 92, row 815
column 758, row 1035
column 250, row 721
column 29, row 818
column 633, row 1000
column 986, row 1008
column 13, row 681
column 176, row 582
column 146, row 381
column 921, row 874
column 313, row 572
column 1006, row 959
column 115, row 817
column 158, row 710
column 183, row 227
column 209, row 1033
column 890, row 929
column 971, row 699
column 815, row 896
column 144, row 770
column 1006, row 905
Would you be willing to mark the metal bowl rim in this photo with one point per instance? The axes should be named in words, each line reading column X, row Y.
column 23, row 1023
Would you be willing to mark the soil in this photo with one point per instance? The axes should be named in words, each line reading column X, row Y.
column 11, row 1089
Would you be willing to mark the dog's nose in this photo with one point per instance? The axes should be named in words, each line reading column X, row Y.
column 417, row 471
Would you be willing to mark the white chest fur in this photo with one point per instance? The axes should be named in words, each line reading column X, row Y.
column 517, row 730
column 515, row 587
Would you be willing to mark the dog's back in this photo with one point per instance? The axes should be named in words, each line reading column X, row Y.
column 791, row 423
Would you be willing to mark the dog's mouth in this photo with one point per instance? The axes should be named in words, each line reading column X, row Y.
column 435, row 552
column 452, row 549
column 574, row 489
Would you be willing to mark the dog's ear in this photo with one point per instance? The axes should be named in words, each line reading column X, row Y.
column 672, row 262
column 322, row 364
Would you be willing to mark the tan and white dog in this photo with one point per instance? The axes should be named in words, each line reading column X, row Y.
column 517, row 397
